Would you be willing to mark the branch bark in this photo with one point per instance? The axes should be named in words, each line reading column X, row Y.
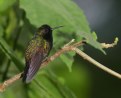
column 68, row 47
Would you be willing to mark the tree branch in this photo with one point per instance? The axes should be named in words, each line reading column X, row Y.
column 9, row 82
column 94, row 62
column 68, row 47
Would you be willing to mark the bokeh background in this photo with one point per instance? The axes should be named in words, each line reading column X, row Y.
column 85, row 80
column 104, row 17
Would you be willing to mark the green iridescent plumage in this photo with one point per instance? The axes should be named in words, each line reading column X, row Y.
column 34, row 45
column 37, row 50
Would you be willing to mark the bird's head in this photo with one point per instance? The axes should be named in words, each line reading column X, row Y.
column 44, row 30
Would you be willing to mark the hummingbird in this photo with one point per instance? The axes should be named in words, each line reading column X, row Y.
column 37, row 51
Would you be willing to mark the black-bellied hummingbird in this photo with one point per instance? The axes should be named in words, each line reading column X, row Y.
column 37, row 50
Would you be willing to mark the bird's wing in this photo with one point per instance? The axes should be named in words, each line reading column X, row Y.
column 33, row 65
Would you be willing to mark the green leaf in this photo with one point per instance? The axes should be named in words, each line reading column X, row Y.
column 48, row 86
column 9, row 53
column 1, row 31
column 68, row 59
column 94, row 35
column 60, row 12
column 12, row 20
column 5, row 4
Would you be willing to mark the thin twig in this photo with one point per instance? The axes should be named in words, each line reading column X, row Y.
column 67, row 48
column 68, row 44
column 105, row 45
column 9, row 82
column 94, row 62
column 6, row 83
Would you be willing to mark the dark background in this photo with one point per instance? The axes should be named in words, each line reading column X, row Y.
column 104, row 17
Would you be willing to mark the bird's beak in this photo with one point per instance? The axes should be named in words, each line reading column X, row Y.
column 57, row 27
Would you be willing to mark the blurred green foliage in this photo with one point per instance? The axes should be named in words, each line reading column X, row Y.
column 18, row 22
